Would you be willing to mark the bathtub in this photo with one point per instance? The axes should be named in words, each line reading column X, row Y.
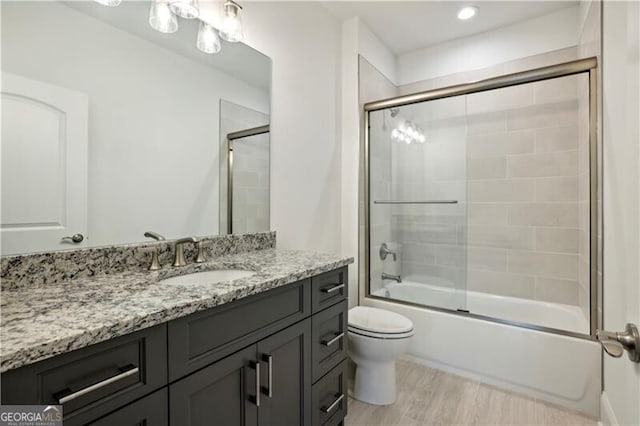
column 545, row 314
column 557, row 368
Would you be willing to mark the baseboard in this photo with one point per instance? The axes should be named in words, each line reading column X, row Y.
column 607, row 416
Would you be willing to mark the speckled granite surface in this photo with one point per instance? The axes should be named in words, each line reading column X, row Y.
column 57, row 266
column 44, row 319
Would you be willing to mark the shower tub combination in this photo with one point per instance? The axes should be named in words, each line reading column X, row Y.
column 481, row 224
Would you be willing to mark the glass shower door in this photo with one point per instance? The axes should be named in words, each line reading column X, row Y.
column 417, row 203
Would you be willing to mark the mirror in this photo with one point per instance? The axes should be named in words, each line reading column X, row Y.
column 111, row 129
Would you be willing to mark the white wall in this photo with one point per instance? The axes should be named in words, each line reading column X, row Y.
column 357, row 39
column 621, row 169
column 553, row 31
column 153, row 151
column 303, row 41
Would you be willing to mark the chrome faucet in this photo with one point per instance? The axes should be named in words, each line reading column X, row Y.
column 384, row 251
column 396, row 278
column 179, row 259
column 155, row 263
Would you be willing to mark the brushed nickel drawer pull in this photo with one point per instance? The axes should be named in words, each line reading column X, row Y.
column 334, row 404
column 257, row 367
column 269, row 388
column 98, row 385
column 332, row 341
column 330, row 290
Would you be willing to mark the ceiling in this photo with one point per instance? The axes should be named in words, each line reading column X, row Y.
column 405, row 26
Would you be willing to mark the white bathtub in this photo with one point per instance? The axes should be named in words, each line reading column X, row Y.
column 560, row 369
column 545, row 314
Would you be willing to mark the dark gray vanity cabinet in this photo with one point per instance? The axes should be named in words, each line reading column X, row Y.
column 223, row 393
column 268, row 383
column 276, row 358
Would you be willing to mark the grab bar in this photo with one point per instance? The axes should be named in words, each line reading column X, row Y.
column 415, row 202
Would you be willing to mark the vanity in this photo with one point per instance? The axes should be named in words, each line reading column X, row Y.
column 268, row 348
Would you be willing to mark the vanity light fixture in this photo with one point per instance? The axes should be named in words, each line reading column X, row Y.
column 187, row 9
column 109, row 2
column 467, row 12
column 231, row 28
column 161, row 17
column 208, row 40
column 408, row 133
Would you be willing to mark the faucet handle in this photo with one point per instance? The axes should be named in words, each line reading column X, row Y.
column 200, row 258
column 384, row 251
column 155, row 262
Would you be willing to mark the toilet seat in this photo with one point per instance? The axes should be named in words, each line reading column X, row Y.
column 380, row 335
column 378, row 323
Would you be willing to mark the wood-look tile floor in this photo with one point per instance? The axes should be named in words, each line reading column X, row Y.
column 432, row 397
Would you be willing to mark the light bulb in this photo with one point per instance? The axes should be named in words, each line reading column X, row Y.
column 208, row 40
column 161, row 17
column 467, row 12
column 109, row 2
column 231, row 28
column 187, row 9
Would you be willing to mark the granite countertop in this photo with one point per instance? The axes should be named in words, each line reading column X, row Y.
column 40, row 321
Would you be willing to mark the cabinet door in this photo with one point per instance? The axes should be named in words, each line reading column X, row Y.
column 223, row 393
column 285, row 379
column 148, row 411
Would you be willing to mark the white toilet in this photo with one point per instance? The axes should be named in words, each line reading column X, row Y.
column 376, row 338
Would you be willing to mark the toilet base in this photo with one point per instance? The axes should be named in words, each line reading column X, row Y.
column 375, row 383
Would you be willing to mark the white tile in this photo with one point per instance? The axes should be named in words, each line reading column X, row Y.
column 557, row 291
column 487, row 213
column 551, row 265
column 556, row 90
column 547, row 164
column 510, row 237
column 487, row 259
column 486, row 168
column 501, row 283
column 544, row 214
column 499, row 144
column 487, row 123
column 539, row 116
column 500, row 99
column 560, row 240
column 562, row 138
column 557, row 189
column 513, row 190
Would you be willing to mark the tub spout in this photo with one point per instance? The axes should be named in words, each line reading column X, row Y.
column 396, row 278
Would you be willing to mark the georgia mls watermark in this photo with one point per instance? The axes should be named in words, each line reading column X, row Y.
column 30, row 415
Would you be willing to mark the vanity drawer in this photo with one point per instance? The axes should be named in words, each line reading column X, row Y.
column 95, row 380
column 149, row 411
column 329, row 337
column 198, row 340
column 329, row 397
column 329, row 288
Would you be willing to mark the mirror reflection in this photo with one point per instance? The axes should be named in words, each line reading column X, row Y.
column 131, row 133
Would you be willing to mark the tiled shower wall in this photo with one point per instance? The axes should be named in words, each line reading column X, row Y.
column 524, row 190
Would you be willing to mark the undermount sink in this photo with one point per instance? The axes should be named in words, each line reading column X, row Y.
column 208, row 277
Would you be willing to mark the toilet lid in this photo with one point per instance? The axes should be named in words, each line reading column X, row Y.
column 378, row 320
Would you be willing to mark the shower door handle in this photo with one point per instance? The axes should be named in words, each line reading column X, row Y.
column 615, row 343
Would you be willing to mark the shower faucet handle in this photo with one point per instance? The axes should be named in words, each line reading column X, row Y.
column 615, row 343
column 384, row 251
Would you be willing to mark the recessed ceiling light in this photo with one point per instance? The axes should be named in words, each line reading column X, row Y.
column 467, row 12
